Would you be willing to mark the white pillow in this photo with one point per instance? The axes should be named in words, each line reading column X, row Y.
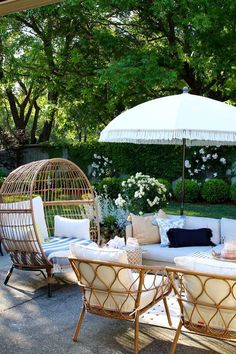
column 65, row 227
column 198, row 222
column 39, row 218
column 10, row 220
column 166, row 224
column 228, row 229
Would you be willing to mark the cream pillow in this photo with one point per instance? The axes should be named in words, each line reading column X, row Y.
column 66, row 227
column 144, row 230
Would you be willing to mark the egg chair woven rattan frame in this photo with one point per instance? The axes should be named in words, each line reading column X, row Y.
column 64, row 190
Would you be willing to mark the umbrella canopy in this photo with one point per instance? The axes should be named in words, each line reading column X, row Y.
column 169, row 120
column 10, row 6
column 180, row 119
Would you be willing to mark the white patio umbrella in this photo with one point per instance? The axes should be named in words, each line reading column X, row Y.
column 184, row 119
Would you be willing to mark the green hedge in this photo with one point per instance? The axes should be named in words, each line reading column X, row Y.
column 110, row 186
column 153, row 160
column 159, row 161
column 233, row 192
column 215, row 191
column 191, row 191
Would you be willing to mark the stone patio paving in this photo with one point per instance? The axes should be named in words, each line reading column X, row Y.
column 30, row 322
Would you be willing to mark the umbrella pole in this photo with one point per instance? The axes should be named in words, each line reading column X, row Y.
column 182, row 181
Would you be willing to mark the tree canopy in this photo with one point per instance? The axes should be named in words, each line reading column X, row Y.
column 66, row 70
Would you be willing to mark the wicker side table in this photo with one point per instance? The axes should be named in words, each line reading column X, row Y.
column 134, row 256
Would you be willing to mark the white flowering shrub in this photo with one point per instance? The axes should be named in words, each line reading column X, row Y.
column 205, row 163
column 107, row 209
column 142, row 194
column 101, row 167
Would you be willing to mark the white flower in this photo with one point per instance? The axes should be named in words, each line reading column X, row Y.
column 95, row 156
column 203, row 167
column 204, row 158
column 223, row 160
column 120, row 202
column 201, row 151
column 187, row 164
column 196, row 170
column 214, row 156
column 208, row 156
column 215, row 174
column 195, row 153
column 207, row 179
column 197, row 161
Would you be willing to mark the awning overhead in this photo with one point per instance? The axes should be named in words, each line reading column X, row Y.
column 10, row 6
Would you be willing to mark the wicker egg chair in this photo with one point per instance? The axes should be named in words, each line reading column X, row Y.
column 62, row 189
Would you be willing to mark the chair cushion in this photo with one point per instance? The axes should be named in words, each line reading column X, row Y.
column 24, row 221
column 196, row 222
column 143, row 229
column 216, row 291
column 186, row 238
column 122, row 302
column 66, row 227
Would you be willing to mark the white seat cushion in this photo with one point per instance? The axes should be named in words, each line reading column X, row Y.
column 165, row 254
column 196, row 222
column 216, row 291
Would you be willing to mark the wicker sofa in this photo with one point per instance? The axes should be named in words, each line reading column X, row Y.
column 155, row 254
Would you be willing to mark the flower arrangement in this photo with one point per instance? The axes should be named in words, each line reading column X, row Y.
column 206, row 163
column 101, row 167
column 142, row 194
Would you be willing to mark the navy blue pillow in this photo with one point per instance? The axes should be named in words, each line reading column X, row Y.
column 185, row 238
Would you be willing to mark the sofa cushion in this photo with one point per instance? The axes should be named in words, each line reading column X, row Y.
column 228, row 229
column 165, row 254
column 187, row 238
column 143, row 229
column 196, row 222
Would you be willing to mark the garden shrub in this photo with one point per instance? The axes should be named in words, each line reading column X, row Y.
column 166, row 183
column 110, row 186
column 191, row 191
column 142, row 194
column 215, row 191
column 233, row 192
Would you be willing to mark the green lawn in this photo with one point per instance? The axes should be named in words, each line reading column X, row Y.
column 210, row 210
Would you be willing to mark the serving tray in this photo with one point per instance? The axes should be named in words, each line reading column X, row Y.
column 220, row 258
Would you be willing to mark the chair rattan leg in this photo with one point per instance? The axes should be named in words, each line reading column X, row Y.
column 49, row 279
column 173, row 347
column 136, row 333
column 167, row 312
column 75, row 337
column 1, row 248
column 9, row 275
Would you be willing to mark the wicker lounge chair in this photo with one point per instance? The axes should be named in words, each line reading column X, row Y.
column 119, row 291
column 207, row 303
column 30, row 197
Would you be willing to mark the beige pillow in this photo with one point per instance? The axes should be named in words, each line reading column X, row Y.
column 161, row 214
column 144, row 231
